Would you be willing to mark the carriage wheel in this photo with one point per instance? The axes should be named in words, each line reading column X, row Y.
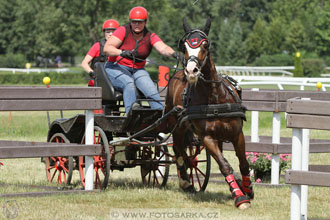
column 101, row 162
column 199, row 166
column 156, row 167
column 59, row 168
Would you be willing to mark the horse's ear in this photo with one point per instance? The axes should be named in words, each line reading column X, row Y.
column 186, row 27
column 207, row 26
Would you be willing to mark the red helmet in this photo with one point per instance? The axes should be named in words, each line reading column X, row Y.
column 138, row 14
column 110, row 24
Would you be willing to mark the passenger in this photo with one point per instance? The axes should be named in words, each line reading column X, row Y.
column 132, row 44
column 95, row 53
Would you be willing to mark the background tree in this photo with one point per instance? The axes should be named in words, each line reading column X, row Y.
column 322, row 36
column 295, row 36
column 265, row 27
column 256, row 40
column 274, row 37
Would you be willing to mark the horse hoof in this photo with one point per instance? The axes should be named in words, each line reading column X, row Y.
column 246, row 190
column 250, row 195
column 242, row 202
column 190, row 189
column 243, row 206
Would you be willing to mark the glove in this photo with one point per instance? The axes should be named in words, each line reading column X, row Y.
column 176, row 55
column 91, row 74
column 126, row 54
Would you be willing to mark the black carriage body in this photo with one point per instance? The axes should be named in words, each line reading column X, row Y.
column 112, row 123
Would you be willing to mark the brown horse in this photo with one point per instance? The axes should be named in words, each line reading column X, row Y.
column 212, row 111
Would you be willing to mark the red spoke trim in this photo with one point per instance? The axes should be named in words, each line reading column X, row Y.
column 199, row 182
column 201, row 171
column 53, row 158
column 50, row 167
column 59, row 178
column 51, row 180
column 64, row 177
column 98, row 180
column 64, row 168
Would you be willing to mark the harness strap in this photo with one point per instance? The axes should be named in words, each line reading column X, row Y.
column 237, row 99
column 212, row 111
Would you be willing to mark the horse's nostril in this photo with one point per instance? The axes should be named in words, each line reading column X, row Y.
column 195, row 70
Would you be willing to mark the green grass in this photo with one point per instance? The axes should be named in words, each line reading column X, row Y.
column 125, row 189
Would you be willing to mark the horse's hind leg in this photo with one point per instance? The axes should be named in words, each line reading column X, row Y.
column 215, row 149
column 180, row 153
column 244, row 166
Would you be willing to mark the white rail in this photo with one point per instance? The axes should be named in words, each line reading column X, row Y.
column 14, row 70
column 281, row 81
column 255, row 71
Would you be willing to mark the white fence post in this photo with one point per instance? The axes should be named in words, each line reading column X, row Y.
column 255, row 123
column 304, row 166
column 296, row 165
column 276, row 140
column 89, row 140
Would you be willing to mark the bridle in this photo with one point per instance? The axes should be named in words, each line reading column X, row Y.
column 186, row 38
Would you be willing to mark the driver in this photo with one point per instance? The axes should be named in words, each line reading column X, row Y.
column 132, row 44
column 95, row 53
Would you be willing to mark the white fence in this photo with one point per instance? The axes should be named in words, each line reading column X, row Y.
column 255, row 71
column 281, row 81
column 14, row 70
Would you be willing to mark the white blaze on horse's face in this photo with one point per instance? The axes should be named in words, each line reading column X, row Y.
column 192, row 70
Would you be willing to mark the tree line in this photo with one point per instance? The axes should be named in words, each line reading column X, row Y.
column 243, row 32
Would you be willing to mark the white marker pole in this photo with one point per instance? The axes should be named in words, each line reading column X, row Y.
column 89, row 140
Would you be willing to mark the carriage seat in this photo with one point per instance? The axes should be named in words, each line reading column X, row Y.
column 109, row 94
column 108, row 91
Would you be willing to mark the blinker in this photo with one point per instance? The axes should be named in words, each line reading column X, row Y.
column 195, row 40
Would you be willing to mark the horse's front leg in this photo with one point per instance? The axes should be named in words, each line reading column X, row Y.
column 246, row 184
column 180, row 154
column 241, row 201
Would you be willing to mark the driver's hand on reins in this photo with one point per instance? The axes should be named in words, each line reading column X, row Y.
column 127, row 54
column 176, row 55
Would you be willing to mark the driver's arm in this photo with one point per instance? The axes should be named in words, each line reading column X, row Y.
column 85, row 63
column 163, row 49
column 112, row 45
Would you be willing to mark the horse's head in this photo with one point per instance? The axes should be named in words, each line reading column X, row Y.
column 195, row 45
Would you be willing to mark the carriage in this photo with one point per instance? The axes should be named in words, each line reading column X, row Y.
column 203, row 109
column 127, row 141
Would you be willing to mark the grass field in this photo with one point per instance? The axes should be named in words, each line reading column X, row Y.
column 125, row 189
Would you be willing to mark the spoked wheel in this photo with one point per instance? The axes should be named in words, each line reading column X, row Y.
column 101, row 162
column 156, row 167
column 197, row 162
column 199, row 166
column 59, row 168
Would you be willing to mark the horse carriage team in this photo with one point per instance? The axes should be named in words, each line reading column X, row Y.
column 220, row 115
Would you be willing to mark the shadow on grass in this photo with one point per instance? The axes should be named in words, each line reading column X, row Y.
column 217, row 197
column 132, row 184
